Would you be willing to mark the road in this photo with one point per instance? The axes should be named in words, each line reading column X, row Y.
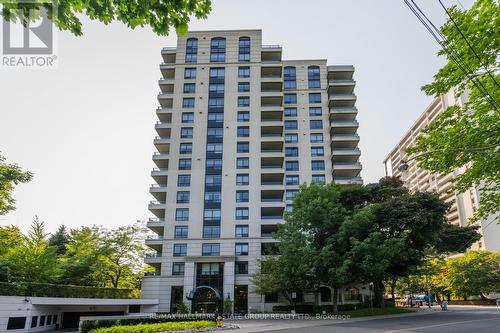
column 456, row 320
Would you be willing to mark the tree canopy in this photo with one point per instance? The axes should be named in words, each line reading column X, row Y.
column 10, row 176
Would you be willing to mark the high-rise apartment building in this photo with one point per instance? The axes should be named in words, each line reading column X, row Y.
column 239, row 129
column 463, row 205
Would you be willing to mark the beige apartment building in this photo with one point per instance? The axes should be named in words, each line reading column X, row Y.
column 239, row 129
column 463, row 205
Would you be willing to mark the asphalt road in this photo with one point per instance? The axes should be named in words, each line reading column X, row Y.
column 456, row 320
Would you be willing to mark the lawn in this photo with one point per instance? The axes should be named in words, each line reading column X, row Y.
column 375, row 312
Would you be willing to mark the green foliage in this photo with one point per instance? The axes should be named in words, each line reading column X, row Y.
column 10, row 176
column 450, row 142
column 181, row 308
column 161, row 327
column 160, row 15
column 228, row 306
column 60, row 239
column 4, row 273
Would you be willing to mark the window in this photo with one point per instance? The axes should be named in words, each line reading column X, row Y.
column 54, row 319
column 42, row 321
column 243, row 101
column 186, row 132
column 243, row 131
column 243, row 116
column 189, row 88
column 211, row 231
column 218, row 50
column 242, row 196
column 317, row 151
column 241, row 231
column 317, row 165
column 216, row 117
column 244, row 49
column 291, row 194
column 187, row 117
column 243, row 147
column 213, row 180
column 318, row 179
column 16, row 323
column 214, row 148
column 184, row 180
column 211, row 215
column 243, row 86
column 180, row 250
column 315, row 98
column 210, row 249
column 178, row 268
column 241, row 267
column 315, row 124
column 325, row 294
column 289, row 78
column 316, row 137
column 290, row 99
column 182, row 214
column 185, row 148
column 214, row 164
column 290, row 112
column 292, row 165
column 34, row 321
column 190, row 73
column 242, row 213
column 292, row 180
column 216, row 88
column 217, row 73
column 291, row 151
column 241, row 249
column 215, row 103
column 183, row 197
column 188, row 103
column 215, row 132
column 181, row 232
column 213, row 197
column 242, row 179
column 191, row 50
column 291, row 138
column 185, row 164
column 243, row 72
column 291, row 124
column 315, row 111
column 313, row 77
column 242, row 163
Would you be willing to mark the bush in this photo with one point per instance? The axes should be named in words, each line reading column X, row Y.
column 152, row 328
column 310, row 308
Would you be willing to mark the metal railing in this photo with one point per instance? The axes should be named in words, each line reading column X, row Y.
column 158, row 185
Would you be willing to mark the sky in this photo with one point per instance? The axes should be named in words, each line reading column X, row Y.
column 86, row 128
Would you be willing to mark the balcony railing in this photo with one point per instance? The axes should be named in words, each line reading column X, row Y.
column 154, row 237
column 156, row 202
column 271, row 46
column 153, row 255
column 160, row 169
column 152, row 274
column 158, row 185
column 155, row 220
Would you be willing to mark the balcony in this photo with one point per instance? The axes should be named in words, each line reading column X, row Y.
column 165, row 116
column 155, row 242
column 344, row 141
column 272, row 162
column 341, row 86
column 343, row 113
column 169, row 54
column 272, row 148
column 341, row 100
column 166, row 100
column 344, row 126
column 271, row 53
column 156, row 225
column 275, row 100
column 270, row 179
column 159, row 191
column 340, row 72
column 348, row 180
column 162, row 143
column 272, row 213
column 271, row 195
column 267, row 230
column 167, row 71
column 167, row 86
column 152, row 258
column 161, row 159
column 272, row 130
column 346, row 169
column 345, row 154
column 271, row 73
column 273, row 117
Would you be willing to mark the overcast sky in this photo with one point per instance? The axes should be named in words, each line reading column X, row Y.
column 86, row 129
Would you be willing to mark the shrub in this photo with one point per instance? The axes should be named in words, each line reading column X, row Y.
column 152, row 328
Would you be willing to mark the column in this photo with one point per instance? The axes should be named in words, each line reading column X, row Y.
column 228, row 281
column 189, row 278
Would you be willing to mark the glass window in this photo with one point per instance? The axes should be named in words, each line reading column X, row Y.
column 290, row 99
column 243, row 131
column 244, row 49
column 182, row 214
column 211, row 214
column 316, row 137
column 17, row 323
column 213, row 180
column 210, row 249
column 243, row 147
column 211, row 231
column 291, row 138
column 217, row 88
column 178, row 268
column 186, row 132
column 314, row 98
column 187, row 117
column 243, row 116
column 291, row 124
column 314, row 111
column 241, row 249
column 292, row 180
column 291, row 194
column 290, row 112
column 214, row 103
column 242, row 213
column 189, row 88
column 315, row 124
column 215, row 132
column 213, row 197
column 289, row 78
column 34, row 321
column 292, row 165
column 184, row 180
column 241, row 231
column 242, row 163
column 183, row 197
column 191, row 50
column 188, row 103
column 289, row 208
column 185, row 164
column 42, row 321
column 242, row 196
column 243, row 86
column 185, row 148
column 243, row 72
column 317, row 165
column 317, row 151
column 216, row 117
column 218, row 49
column 243, row 101
column 180, row 250
column 291, row 151
column 318, row 179
column 181, row 232
column 217, row 73
column 190, row 73
column 213, row 164
column 242, row 179
column 214, row 148
column 313, row 77
column 241, row 267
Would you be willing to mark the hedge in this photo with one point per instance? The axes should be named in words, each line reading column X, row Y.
column 161, row 327
column 59, row 290
column 87, row 325
column 310, row 308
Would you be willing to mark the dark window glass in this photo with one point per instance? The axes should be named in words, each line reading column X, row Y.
column 241, row 249
column 186, row 132
column 316, row 137
column 243, row 131
column 315, row 111
column 190, row 73
column 243, row 147
column 213, row 197
column 191, row 50
column 218, row 50
column 187, row 117
column 318, row 179
column 211, row 231
column 180, row 250
column 242, row 163
column 185, row 164
column 215, row 132
column 214, row 148
column 313, row 76
column 182, row 214
column 317, row 151
column 244, row 49
column 183, row 197
column 217, row 88
column 54, row 319
column 16, row 323
column 217, row 73
column 271, row 298
column 211, row 214
column 189, row 88
column 315, row 124
column 292, row 180
column 213, row 180
column 34, row 321
column 243, row 116
column 181, row 232
column 241, row 231
column 184, row 180
column 318, row 165
column 292, row 165
column 243, row 72
column 42, row 321
column 178, row 268
column 289, row 78
column 291, row 194
column 290, row 112
column 241, row 267
column 210, row 249
column 291, row 124
column 290, row 99
column 243, row 86
column 243, row 101
column 242, row 179
column 242, row 196
column 188, row 103
column 216, row 117
column 291, row 138
column 291, row 151
column 242, row 213
column 315, row 98
column 214, row 164
column 185, row 148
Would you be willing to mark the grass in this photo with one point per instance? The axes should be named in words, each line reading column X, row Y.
column 375, row 312
column 153, row 328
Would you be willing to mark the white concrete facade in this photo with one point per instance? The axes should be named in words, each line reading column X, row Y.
column 463, row 205
column 287, row 122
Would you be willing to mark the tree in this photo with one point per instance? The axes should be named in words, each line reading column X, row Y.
column 468, row 136
column 60, row 239
column 474, row 273
column 10, row 176
column 160, row 15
